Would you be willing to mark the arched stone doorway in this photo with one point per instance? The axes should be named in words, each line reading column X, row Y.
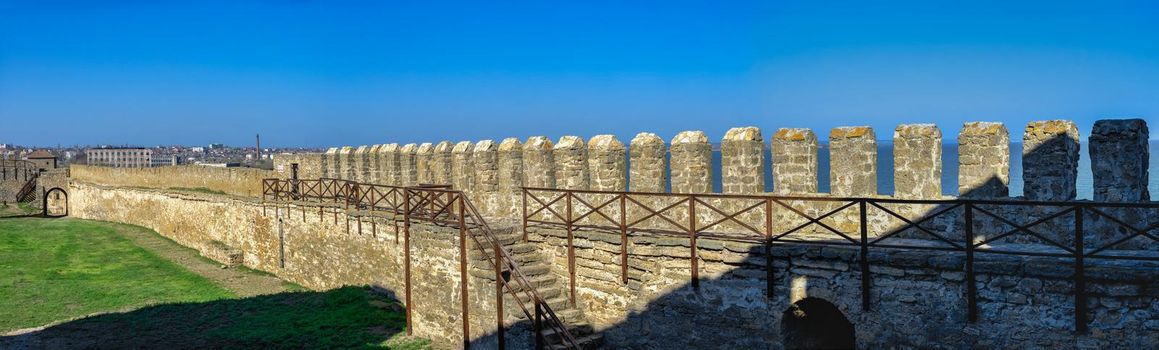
column 55, row 203
column 814, row 323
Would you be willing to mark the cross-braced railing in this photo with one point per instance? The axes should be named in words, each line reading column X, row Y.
column 771, row 220
column 438, row 204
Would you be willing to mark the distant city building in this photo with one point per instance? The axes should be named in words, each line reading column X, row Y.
column 42, row 159
column 164, row 160
column 216, row 145
column 197, row 149
column 120, row 157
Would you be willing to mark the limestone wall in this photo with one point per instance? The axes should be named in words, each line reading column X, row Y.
column 319, row 248
column 235, row 181
column 917, row 297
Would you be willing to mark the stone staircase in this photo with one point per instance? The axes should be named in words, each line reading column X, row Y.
column 538, row 273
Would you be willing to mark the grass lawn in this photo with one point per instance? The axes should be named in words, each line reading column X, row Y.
column 54, row 270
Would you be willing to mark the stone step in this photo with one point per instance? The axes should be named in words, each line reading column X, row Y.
column 537, row 282
column 521, row 252
column 546, row 292
column 559, row 302
column 576, row 331
column 529, row 270
column 591, row 341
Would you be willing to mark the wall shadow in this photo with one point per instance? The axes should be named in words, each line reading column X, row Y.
column 347, row 317
column 730, row 310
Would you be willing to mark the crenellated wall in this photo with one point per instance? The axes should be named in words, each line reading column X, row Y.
column 1050, row 154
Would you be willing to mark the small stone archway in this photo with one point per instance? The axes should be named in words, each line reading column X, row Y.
column 815, row 323
column 55, row 203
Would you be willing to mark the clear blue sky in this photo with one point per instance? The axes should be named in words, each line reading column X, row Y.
column 313, row 73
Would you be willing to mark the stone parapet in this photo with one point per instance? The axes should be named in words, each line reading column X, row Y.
column 794, row 161
column 408, row 165
column 361, row 164
column 462, row 166
column 1050, row 156
column 607, row 164
column 538, row 162
column 390, row 171
column 424, row 161
column 571, row 164
column 346, row 162
column 742, row 153
column 853, row 161
column 1119, row 160
column 330, row 163
column 648, row 163
column 441, row 163
column 917, row 161
column 510, row 175
column 984, row 160
column 691, row 163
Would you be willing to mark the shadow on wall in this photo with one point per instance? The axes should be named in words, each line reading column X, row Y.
column 348, row 317
column 816, row 297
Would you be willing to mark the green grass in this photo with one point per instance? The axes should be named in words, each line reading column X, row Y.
column 59, row 269
column 54, row 270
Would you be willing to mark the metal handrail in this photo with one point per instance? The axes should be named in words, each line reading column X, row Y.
column 432, row 203
column 540, row 207
column 29, row 189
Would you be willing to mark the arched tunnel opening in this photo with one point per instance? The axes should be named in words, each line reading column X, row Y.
column 814, row 323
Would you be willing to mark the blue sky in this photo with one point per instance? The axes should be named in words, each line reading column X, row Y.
column 311, row 73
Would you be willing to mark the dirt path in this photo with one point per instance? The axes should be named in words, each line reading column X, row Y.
column 242, row 281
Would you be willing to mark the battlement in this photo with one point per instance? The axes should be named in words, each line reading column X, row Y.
column 1118, row 150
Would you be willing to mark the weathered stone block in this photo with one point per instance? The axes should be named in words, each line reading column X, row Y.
column 408, row 164
column 742, row 153
column 391, row 172
column 691, row 163
column 794, row 161
column 485, row 160
column 607, row 164
column 571, row 164
column 462, row 168
column 346, row 157
column 441, row 163
column 984, row 160
column 361, row 163
column 1119, row 160
column 424, row 159
column 917, row 161
column 538, row 162
column 853, row 161
column 1050, row 155
column 648, row 163
column 330, row 163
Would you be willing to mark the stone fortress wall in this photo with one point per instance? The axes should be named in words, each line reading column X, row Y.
column 234, row 181
column 1118, row 155
column 918, row 297
column 1118, row 150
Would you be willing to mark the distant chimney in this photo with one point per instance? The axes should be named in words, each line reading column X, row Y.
column 258, row 150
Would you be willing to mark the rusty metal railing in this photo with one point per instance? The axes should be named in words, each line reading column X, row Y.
column 752, row 219
column 439, row 204
column 28, row 190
